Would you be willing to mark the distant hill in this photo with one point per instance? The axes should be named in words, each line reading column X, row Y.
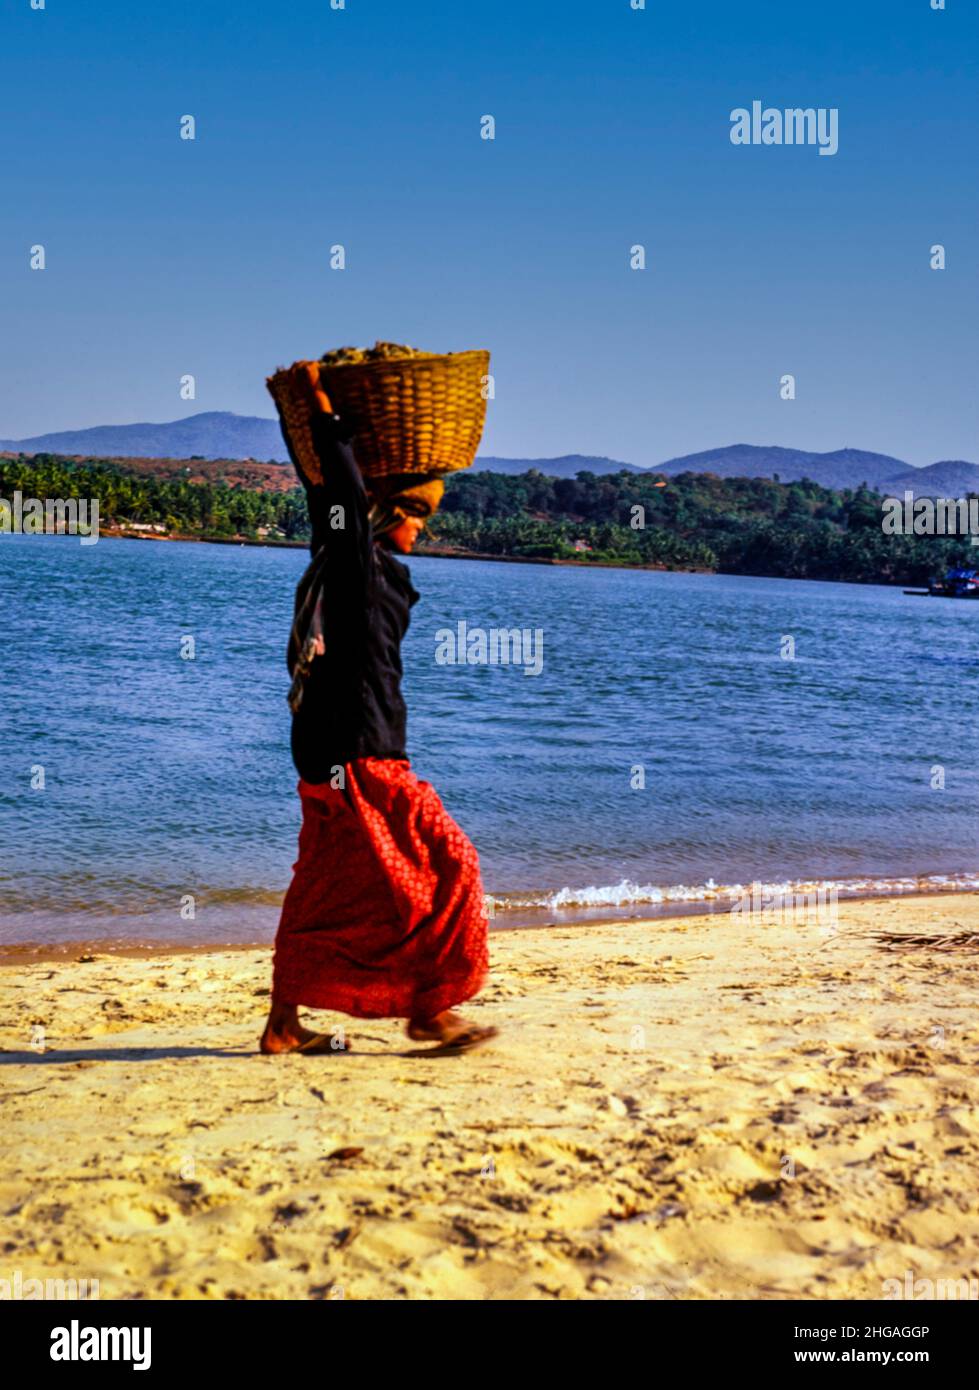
column 843, row 468
column 214, row 434
column 951, row 478
column 220, row 434
column 566, row 466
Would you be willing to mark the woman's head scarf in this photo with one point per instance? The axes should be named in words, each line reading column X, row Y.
column 394, row 499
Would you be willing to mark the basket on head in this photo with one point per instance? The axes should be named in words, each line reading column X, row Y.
column 417, row 414
column 288, row 388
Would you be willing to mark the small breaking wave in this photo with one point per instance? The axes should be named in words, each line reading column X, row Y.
column 626, row 894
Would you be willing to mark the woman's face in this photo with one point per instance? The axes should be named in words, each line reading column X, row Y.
column 403, row 536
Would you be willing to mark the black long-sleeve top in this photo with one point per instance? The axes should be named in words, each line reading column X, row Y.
column 352, row 705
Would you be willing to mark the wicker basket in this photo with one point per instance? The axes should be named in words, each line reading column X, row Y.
column 287, row 389
column 421, row 414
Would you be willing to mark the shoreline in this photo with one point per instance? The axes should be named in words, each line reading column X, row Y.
column 455, row 554
column 423, row 554
column 697, row 1113
column 31, row 951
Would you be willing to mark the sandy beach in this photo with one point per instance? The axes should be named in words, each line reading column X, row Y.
column 736, row 1107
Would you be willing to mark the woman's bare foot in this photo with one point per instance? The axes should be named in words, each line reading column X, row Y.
column 284, row 1033
column 450, row 1031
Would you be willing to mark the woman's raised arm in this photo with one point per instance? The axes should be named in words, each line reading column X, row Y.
column 338, row 506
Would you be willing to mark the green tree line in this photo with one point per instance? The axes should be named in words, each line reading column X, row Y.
column 757, row 526
column 184, row 508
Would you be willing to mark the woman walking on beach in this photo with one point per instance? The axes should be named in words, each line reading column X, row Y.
column 385, row 914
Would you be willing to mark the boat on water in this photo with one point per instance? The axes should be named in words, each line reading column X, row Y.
column 958, row 583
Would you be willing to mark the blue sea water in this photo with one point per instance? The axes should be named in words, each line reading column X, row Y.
column 166, row 777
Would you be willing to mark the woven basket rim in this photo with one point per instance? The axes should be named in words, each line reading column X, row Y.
column 380, row 362
column 401, row 363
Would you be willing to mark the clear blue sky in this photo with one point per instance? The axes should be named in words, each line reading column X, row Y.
column 361, row 127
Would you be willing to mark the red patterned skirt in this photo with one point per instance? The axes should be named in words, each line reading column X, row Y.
column 385, row 914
